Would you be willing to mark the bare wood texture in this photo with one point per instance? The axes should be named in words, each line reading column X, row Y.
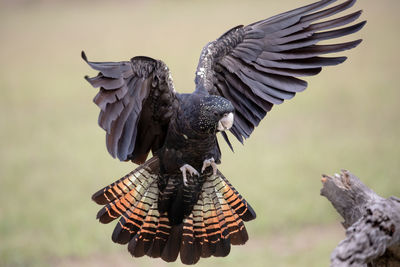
column 372, row 223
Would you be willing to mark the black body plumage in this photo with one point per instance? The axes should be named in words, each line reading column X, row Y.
column 177, row 202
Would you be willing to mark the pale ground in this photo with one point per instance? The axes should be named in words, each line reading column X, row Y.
column 279, row 244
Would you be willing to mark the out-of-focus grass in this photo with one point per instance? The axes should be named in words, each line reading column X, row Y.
column 53, row 154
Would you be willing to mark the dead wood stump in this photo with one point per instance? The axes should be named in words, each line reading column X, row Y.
column 372, row 223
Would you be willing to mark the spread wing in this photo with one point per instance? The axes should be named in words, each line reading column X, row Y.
column 136, row 100
column 256, row 66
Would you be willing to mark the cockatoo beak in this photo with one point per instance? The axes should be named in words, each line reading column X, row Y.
column 226, row 122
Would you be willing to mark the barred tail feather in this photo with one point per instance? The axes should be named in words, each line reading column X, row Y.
column 200, row 233
column 236, row 201
column 162, row 232
column 142, row 241
column 132, row 220
column 215, row 222
column 122, row 186
column 137, row 191
column 187, row 251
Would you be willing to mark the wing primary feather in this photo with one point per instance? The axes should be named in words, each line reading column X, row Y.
column 340, row 32
column 334, row 22
column 310, row 51
column 245, row 127
column 110, row 114
column 116, row 132
column 328, row 12
column 128, row 135
column 106, row 83
column 289, row 72
column 307, row 63
column 312, row 29
column 286, row 19
column 110, row 69
column 315, row 38
column 225, row 136
column 235, row 131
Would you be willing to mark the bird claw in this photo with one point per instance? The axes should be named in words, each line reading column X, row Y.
column 187, row 168
column 209, row 162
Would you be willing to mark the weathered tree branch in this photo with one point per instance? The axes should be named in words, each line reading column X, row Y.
column 372, row 223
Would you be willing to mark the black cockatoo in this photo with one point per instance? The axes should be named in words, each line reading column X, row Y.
column 177, row 202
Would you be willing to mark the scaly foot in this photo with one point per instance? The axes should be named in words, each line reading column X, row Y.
column 187, row 168
column 209, row 162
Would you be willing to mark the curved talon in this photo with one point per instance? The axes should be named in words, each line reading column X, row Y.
column 209, row 162
column 187, row 168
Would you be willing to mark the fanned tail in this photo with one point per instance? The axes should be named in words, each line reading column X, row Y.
column 215, row 222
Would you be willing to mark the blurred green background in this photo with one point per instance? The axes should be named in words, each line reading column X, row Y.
column 53, row 154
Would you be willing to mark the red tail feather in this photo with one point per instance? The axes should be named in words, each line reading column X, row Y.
column 215, row 222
